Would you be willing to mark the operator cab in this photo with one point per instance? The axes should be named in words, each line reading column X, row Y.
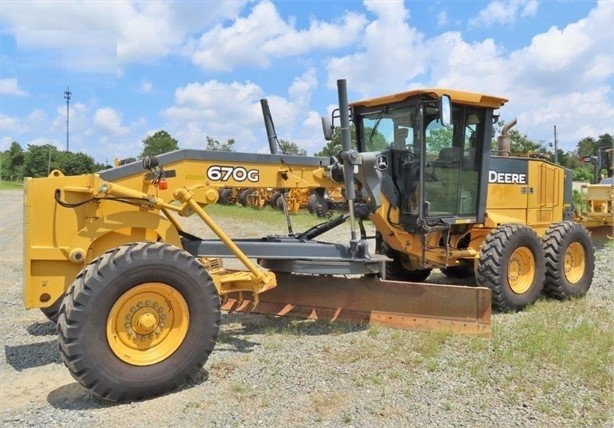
column 433, row 148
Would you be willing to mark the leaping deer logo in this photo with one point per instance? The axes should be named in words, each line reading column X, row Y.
column 381, row 162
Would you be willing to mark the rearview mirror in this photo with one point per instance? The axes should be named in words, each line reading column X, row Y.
column 327, row 128
column 445, row 110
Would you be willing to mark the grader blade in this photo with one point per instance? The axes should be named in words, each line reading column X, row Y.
column 404, row 305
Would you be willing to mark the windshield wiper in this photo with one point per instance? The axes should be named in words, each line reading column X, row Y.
column 377, row 121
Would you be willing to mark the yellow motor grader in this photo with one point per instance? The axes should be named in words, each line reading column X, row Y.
column 138, row 298
column 596, row 209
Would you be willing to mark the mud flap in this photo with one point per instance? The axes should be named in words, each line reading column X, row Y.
column 404, row 305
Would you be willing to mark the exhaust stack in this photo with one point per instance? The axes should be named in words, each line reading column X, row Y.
column 504, row 143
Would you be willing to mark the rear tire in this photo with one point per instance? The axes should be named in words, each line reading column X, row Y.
column 458, row 272
column 139, row 321
column 511, row 263
column 396, row 271
column 273, row 201
column 570, row 260
column 311, row 203
column 322, row 208
column 225, row 197
column 243, row 198
column 279, row 202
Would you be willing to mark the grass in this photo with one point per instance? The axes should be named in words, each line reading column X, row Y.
column 556, row 357
column 548, row 347
column 10, row 185
column 239, row 388
column 275, row 218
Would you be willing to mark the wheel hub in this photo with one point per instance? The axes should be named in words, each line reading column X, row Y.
column 521, row 270
column 147, row 324
column 574, row 262
column 144, row 322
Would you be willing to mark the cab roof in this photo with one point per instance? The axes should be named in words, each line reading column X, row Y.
column 459, row 97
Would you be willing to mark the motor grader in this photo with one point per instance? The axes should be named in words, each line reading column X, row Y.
column 138, row 298
column 596, row 208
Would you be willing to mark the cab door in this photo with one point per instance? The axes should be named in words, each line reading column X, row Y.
column 452, row 171
column 544, row 201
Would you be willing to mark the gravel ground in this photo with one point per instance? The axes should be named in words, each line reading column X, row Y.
column 278, row 372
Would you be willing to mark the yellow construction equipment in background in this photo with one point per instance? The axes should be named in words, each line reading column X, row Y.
column 596, row 210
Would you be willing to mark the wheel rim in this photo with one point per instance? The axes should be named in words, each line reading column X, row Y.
column 521, row 270
column 147, row 324
column 574, row 262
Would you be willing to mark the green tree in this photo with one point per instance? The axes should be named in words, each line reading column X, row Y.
column 290, row 148
column 568, row 159
column 583, row 173
column 520, row 144
column 377, row 141
column 586, row 146
column 438, row 139
column 76, row 163
column 12, row 163
column 40, row 160
column 158, row 143
column 333, row 147
column 214, row 145
column 101, row 166
column 605, row 140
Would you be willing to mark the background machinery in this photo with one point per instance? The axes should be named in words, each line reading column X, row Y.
column 596, row 209
column 137, row 298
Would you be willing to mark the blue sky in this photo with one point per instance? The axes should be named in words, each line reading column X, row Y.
column 199, row 68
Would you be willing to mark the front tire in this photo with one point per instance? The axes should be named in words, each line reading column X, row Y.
column 53, row 312
column 570, row 260
column 396, row 270
column 511, row 264
column 139, row 321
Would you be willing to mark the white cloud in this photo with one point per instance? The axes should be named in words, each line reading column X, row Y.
column 504, row 12
column 232, row 110
column 146, row 87
column 8, row 124
column 442, row 19
column 262, row 35
column 9, row 87
column 215, row 109
column 109, row 121
column 34, row 121
column 556, row 49
column 561, row 64
column 108, row 34
column 390, row 53
column 302, row 87
column 570, row 121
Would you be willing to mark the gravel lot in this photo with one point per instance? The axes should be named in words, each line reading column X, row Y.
column 279, row 372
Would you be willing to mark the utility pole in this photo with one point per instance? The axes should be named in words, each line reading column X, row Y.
column 67, row 95
column 556, row 151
